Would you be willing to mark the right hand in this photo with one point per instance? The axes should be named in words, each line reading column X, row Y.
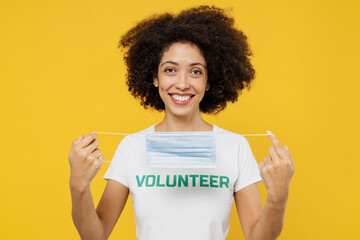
column 85, row 161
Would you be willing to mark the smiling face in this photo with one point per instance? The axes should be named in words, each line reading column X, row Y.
column 182, row 79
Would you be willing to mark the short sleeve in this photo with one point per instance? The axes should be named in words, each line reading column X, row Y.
column 118, row 169
column 248, row 168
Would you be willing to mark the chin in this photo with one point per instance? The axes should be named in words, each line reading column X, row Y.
column 179, row 112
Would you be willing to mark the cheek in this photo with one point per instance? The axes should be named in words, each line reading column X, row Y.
column 201, row 86
column 163, row 91
column 165, row 84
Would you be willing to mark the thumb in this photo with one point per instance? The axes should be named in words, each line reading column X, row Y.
column 80, row 138
column 286, row 148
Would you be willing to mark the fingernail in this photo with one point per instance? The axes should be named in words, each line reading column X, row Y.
column 286, row 148
column 269, row 132
column 80, row 137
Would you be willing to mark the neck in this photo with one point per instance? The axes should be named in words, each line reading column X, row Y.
column 172, row 123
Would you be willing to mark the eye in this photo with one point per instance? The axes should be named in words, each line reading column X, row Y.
column 196, row 71
column 169, row 70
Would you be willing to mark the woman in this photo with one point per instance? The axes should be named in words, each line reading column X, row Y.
column 186, row 64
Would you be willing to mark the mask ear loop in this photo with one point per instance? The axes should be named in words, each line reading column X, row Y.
column 249, row 134
column 113, row 133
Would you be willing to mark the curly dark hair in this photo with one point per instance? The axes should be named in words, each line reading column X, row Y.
column 223, row 47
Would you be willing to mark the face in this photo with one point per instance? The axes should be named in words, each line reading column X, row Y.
column 182, row 79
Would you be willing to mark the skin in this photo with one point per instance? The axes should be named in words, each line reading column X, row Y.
column 85, row 161
column 182, row 70
column 276, row 171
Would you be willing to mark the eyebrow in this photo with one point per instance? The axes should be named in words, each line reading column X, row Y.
column 175, row 63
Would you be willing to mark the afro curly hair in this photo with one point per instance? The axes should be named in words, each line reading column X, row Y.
column 223, row 47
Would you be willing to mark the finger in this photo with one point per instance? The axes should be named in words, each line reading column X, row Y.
column 91, row 158
column 277, row 145
column 267, row 160
column 273, row 154
column 79, row 138
column 261, row 165
column 290, row 156
column 101, row 159
column 93, row 146
column 76, row 141
column 97, row 153
column 87, row 140
column 287, row 151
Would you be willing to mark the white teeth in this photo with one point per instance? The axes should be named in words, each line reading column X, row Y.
column 181, row 98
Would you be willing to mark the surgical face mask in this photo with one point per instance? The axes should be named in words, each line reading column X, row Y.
column 181, row 149
column 154, row 159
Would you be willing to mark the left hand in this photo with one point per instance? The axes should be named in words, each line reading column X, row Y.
column 276, row 171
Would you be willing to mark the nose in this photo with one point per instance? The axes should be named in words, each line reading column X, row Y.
column 182, row 82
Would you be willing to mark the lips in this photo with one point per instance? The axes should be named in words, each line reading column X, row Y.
column 181, row 99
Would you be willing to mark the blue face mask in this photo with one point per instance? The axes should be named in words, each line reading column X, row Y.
column 181, row 149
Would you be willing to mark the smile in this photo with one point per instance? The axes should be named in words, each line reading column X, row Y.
column 181, row 99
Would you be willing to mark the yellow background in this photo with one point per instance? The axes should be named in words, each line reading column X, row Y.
column 62, row 76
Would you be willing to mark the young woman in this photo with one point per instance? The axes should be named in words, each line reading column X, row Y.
column 186, row 64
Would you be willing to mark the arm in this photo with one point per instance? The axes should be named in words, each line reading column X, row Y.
column 84, row 216
column 98, row 224
column 271, row 222
column 276, row 171
column 258, row 223
column 85, row 161
column 249, row 208
column 112, row 204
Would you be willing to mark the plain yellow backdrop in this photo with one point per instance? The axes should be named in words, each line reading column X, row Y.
column 62, row 75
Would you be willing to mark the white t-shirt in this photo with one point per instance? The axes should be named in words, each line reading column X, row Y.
column 184, row 203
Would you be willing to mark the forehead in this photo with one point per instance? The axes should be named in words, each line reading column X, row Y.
column 183, row 52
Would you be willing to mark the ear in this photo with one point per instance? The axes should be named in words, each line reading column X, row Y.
column 156, row 82
column 207, row 86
